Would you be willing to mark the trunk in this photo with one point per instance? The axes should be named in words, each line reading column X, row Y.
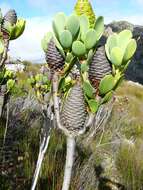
column 69, row 162
column 2, row 98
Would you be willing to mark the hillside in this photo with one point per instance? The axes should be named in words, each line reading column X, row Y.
column 100, row 155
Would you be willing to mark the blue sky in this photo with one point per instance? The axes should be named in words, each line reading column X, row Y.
column 39, row 13
column 40, row 8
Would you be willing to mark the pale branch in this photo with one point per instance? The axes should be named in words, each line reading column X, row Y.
column 90, row 120
column 47, row 113
column 2, row 98
column 69, row 162
column 42, row 152
column 4, row 56
column 56, row 103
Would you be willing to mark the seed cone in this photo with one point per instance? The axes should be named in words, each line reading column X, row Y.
column 74, row 110
column 53, row 57
column 99, row 67
column 84, row 7
column 10, row 17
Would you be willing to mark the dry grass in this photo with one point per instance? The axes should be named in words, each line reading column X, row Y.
column 129, row 163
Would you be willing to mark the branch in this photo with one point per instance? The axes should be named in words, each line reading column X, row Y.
column 45, row 141
column 69, row 162
column 42, row 152
column 2, row 98
column 90, row 120
column 4, row 56
column 56, row 103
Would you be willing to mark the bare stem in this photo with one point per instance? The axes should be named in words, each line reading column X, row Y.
column 56, row 103
column 42, row 152
column 4, row 56
column 90, row 120
column 69, row 162
column 45, row 141
column 2, row 98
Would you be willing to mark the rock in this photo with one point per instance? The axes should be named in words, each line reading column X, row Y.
column 121, row 25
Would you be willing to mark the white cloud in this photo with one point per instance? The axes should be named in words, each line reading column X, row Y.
column 28, row 46
column 4, row 7
column 135, row 19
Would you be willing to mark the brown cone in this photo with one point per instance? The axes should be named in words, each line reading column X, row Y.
column 74, row 110
column 54, row 59
column 10, row 17
column 99, row 67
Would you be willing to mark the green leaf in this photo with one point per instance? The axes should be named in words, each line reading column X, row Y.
column 69, row 57
column 90, row 39
column 111, row 43
column 45, row 80
column 84, row 26
column 66, row 39
column 10, row 84
column 94, row 105
column 130, row 50
column 84, row 67
column 17, row 30
column 31, row 81
column 1, row 46
column 68, row 79
column 59, row 23
column 107, row 84
column 8, row 74
column 58, row 45
column 119, row 81
column 39, row 77
column 116, row 56
column 90, row 56
column 88, row 89
column 69, row 67
column 46, row 40
column 107, row 52
column 99, row 27
column 78, row 48
column 123, row 39
column 73, row 25
column 61, row 83
column 107, row 97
